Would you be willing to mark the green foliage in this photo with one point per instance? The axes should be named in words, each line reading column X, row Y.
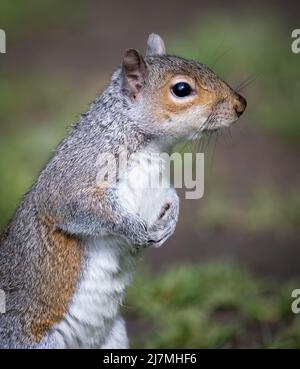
column 33, row 99
column 267, row 209
column 20, row 18
column 213, row 305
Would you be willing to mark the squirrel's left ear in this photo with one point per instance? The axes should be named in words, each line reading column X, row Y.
column 155, row 45
column 134, row 71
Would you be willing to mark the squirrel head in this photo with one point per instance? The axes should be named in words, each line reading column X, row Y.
column 179, row 97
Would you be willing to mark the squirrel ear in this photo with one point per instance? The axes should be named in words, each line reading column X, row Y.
column 155, row 45
column 134, row 71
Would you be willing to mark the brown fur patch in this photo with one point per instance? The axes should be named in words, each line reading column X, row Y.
column 57, row 275
column 100, row 191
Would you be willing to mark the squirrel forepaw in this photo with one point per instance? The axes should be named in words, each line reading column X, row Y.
column 165, row 225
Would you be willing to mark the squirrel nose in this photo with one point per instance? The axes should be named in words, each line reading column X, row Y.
column 239, row 105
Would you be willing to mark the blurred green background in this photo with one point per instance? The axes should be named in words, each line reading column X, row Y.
column 225, row 278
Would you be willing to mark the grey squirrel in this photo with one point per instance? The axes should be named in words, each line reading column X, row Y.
column 67, row 255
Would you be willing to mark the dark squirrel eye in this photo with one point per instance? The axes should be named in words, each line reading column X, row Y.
column 182, row 89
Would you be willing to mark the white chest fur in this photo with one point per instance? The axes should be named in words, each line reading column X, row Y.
column 145, row 189
column 92, row 318
column 95, row 306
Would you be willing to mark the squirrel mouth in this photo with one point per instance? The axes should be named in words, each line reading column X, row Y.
column 210, row 126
